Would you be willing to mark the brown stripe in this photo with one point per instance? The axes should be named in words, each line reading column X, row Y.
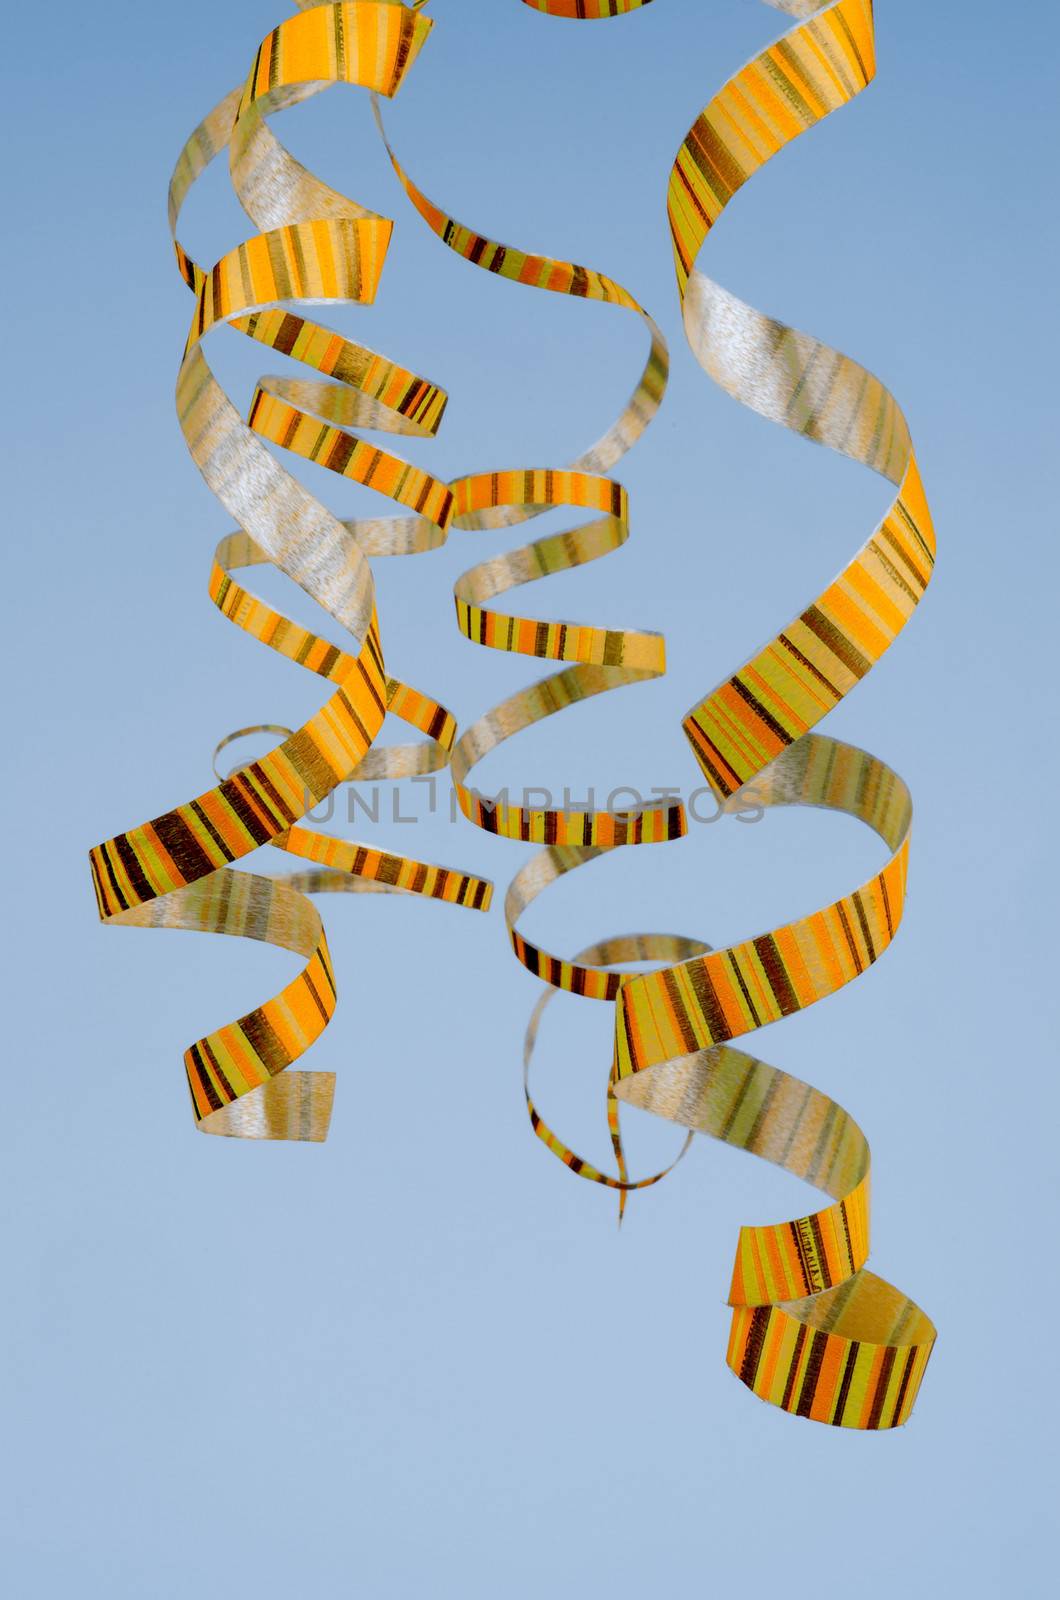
column 311, row 986
column 122, row 898
column 203, row 1079
column 844, row 1384
column 795, row 1229
column 238, row 795
column 219, row 1073
column 793, row 1368
column 846, row 1233
column 264, row 1041
column 863, row 920
column 840, row 646
column 211, row 830
column 854, row 953
column 881, row 1387
column 177, row 839
column 708, row 1002
column 713, row 160
column 775, row 970
column 759, row 710
column 903, row 1386
column 756, row 1335
column 721, row 784
column 823, row 1280
column 325, row 963
column 734, row 964
column 261, row 776
column 782, row 639
column 813, row 1373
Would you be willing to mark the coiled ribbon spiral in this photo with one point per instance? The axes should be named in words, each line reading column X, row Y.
column 175, row 871
column 812, row 1330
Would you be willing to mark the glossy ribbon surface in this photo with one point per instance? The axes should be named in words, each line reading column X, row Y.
column 175, row 871
column 812, row 1330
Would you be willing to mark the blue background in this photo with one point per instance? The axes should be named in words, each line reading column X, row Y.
column 421, row 1360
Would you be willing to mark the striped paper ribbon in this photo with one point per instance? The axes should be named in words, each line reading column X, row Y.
column 176, row 871
column 813, row 1330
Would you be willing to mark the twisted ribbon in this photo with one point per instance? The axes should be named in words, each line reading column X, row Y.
column 812, row 1330
column 175, row 871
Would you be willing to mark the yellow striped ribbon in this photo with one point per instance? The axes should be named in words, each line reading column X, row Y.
column 812, row 1330
column 175, row 871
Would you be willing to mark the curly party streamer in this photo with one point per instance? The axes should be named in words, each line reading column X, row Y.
column 812, row 1330
column 174, row 871
column 601, row 659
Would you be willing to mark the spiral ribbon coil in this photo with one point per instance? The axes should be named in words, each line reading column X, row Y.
column 813, row 1330
column 175, row 871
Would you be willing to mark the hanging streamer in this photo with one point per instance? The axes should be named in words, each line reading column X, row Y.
column 812, row 1330
column 175, row 871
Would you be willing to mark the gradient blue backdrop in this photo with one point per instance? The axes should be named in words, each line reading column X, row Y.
column 420, row 1360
